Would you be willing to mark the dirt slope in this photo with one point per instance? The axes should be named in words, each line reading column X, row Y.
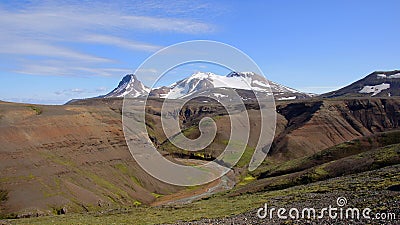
column 73, row 157
column 311, row 126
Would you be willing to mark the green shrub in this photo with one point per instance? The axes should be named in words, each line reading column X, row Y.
column 36, row 109
column 3, row 195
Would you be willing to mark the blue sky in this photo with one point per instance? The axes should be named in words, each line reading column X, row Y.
column 53, row 51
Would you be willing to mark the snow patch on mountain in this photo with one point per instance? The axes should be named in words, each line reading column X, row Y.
column 219, row 95
column 282, row 89
column 376, row 89
column 201, row 81
column 393, row 76
column 237, row 80
column 287, row 98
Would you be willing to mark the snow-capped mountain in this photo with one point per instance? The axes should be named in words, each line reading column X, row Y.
column 201, row 81
column 129, row 85
column 376, row 84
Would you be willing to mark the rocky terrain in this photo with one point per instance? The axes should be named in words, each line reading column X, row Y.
column 308, row 126
column 73, row 158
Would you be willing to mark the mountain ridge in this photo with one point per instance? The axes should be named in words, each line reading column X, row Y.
column 376, row 84
column 200, row 81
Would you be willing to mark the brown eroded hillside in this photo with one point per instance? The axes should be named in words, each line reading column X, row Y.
column 311, row 126
column 75, row 156
column 72, row 156
column 303, row 127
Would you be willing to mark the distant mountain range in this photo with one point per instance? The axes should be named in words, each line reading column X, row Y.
column 376, row 84
column 201, row 81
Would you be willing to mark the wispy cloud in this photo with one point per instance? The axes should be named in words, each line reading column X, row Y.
column 37, row 34
column 168, row 24
column 101, row 89
column 20, row 46
column 318, row 89
column 70, row 91
column 120, row 42
column 80, row 91
column 38, row 100
column 63, row 68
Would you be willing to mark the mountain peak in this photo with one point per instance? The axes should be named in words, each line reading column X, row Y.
column 127, row 78
column 129, row 85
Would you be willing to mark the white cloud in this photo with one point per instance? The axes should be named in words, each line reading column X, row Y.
column 120, row 42
column 80, row 91
column 101, row 89
column 66, row 17
column 318, row 89
column 19, row 46
column 167, row 24
column 37, row 34
column 57, row 68
column 38, row 100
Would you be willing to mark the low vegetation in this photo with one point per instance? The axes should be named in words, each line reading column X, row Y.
column 334, row 153
column 223, row 205
column 37, row 110
column 251, row 193
column 365, row 161
column 3, row 195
